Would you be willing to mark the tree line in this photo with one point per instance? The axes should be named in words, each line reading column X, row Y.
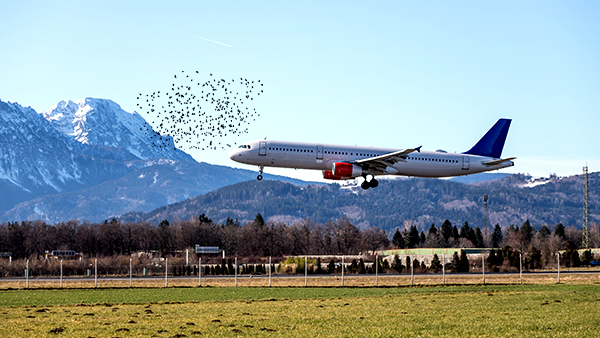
column 252, row 239
column 259, row 238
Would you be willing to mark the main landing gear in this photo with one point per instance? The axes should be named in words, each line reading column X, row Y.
column 369, row 182
column 260, row 171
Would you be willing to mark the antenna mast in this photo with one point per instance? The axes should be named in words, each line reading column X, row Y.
column 585, row 230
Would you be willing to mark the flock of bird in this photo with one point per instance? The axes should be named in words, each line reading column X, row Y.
column 199, row 114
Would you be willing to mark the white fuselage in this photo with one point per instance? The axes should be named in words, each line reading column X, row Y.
column 316, row 156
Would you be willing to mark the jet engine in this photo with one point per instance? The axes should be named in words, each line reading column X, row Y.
column 328, row 175
column 347, row 170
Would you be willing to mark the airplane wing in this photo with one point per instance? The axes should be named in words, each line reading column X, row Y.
column 381, row 162
column 499, row 161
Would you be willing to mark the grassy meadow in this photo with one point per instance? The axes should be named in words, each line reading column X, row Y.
column 546, row 310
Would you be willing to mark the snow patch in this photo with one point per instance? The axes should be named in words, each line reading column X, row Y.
column 459, row 204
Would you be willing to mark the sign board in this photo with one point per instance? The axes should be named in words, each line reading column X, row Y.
column 207, row 249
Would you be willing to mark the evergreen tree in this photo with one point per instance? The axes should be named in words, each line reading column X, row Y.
column 471, row 236
column 408, row 264
column 455, row 264
column 497, row 236
column 331, row 266
column 455, row 233
column 534, row 258
column 436, row 264
column 397, row 240
column 361, row 267
column 586, row 257
column 544, row 232
column 464, row 262
column 422, row 239
column 560, row 231
column 464, row 231
column 447, row 230
column 230, row 266
column 432, row 230
column 259, row 220
column 413, row 237
column 385, row 266
column 491, row 261
column 203, row 219
column 397, row 264
column 571, row 255
column 416, row 265
column 319, row 268
column 527, row 230
column 224, row 267
column 478, row 238
column 354, row 266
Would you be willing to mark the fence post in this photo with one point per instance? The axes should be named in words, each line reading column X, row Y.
column 521, row 268
column 558, row 255
column 305, row 271
column 200, row 271
column 27, row 275
column 443, row 268
column 130, row 272
column 376, row 270
column 412, row 275
column 342, row 270
column 269, row 271
column 483, row 266
column 96, row 272
column 61, row 273
column 166, row 272
column 235, row 269
column 187, row 257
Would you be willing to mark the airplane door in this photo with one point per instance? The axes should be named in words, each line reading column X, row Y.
column 319, row 152
column 465, row 163
column 262, row 148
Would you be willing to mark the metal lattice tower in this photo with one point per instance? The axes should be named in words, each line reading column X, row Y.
column 585, row 229
column 485, row 203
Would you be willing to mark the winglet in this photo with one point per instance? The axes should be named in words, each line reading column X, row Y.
column 418, row 149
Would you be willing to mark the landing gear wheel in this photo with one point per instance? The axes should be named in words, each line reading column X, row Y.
column 365, row 185
column 374, row 183
column 260, row 172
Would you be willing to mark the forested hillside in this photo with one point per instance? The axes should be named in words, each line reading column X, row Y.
column 512, row 200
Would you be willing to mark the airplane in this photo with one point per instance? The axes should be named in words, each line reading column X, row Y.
column 339, row 162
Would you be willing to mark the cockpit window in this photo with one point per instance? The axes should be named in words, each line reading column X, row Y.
column 245, row 146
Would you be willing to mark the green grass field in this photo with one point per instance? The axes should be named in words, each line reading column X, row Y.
column 565, row 310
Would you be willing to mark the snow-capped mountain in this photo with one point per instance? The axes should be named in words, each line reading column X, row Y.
column 72, row 146
column 89, row 159
column 102, row 122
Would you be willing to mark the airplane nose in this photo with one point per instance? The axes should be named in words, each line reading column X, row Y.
column 233, row 154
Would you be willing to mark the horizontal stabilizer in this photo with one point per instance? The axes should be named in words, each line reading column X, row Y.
column 499, row 161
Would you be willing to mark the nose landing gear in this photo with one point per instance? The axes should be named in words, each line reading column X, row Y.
column 260, row 172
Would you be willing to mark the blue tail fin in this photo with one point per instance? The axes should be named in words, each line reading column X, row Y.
column 492, row 142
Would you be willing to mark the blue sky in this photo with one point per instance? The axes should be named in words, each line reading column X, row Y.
column 389, row 74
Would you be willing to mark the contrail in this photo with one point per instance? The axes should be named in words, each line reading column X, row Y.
column 220, row 43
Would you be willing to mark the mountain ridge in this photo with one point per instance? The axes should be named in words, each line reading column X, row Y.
column 416, row 201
